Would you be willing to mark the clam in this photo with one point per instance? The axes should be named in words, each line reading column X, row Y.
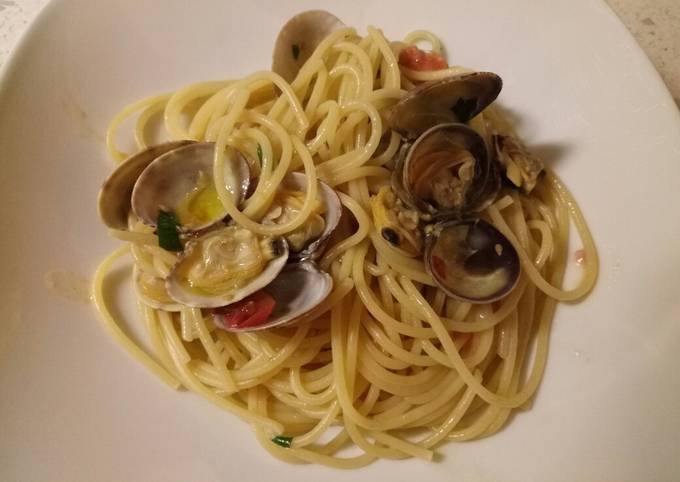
column 114, row 196
column 224, row 266
column 228, row 267
column 181, row 181
column 299, row 288
column 298, row 39
column 522, row 168
column 453, row 99
column 471, row 260
column 444, row 172
column 396, row 223
column 447, row 172
column 307, row 241
column 226, row 263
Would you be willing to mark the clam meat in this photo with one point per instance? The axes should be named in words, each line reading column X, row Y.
column 396, row 223
column 224, row 266
column 447, row 172
column 521, row 167
column 308, row 240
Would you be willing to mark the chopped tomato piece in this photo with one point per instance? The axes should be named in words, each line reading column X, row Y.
column 439, row 266
column 251, row 311
column 580, row 257
column 415, row 59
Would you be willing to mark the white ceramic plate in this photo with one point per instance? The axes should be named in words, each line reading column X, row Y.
column 75, row 407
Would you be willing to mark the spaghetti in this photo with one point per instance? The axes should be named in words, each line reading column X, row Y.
column 388, row 365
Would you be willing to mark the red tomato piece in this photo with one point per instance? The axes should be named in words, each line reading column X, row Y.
column 439, row 266
column 580, row 257
column 251, row 311
column 415, row 59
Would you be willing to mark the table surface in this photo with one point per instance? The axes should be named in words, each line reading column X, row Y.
column 654, row 23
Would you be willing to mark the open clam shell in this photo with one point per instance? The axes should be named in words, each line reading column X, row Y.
column 471, row 261
column 331, row 215
column 447, row 172
column 169, row 182
column 299, row 288
column 298, row 39
column 454, row 99
column 219, row 268
column 114, row 196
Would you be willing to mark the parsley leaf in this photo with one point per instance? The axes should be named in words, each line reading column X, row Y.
column 283, row 441
column 296, row 51
column 259, row 153
column 464, row 108
column 167, row 228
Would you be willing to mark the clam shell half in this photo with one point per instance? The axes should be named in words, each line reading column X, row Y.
column 114, row 196
column 472, row 261
column 169, row 179
column 299, row 288
column 298, row 39
column 447, row 172
column 332, row 214
column 453, row 99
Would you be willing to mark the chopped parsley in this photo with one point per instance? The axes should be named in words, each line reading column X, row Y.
column 296, row 51
column 259, row 153
column 282, row 441
column 464, row 108
column 167, row 228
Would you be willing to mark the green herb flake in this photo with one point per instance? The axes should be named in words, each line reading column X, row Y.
column 259, row 153
column 167, row 228
column 464, row 108
column 296, row 51
column 282, row 441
